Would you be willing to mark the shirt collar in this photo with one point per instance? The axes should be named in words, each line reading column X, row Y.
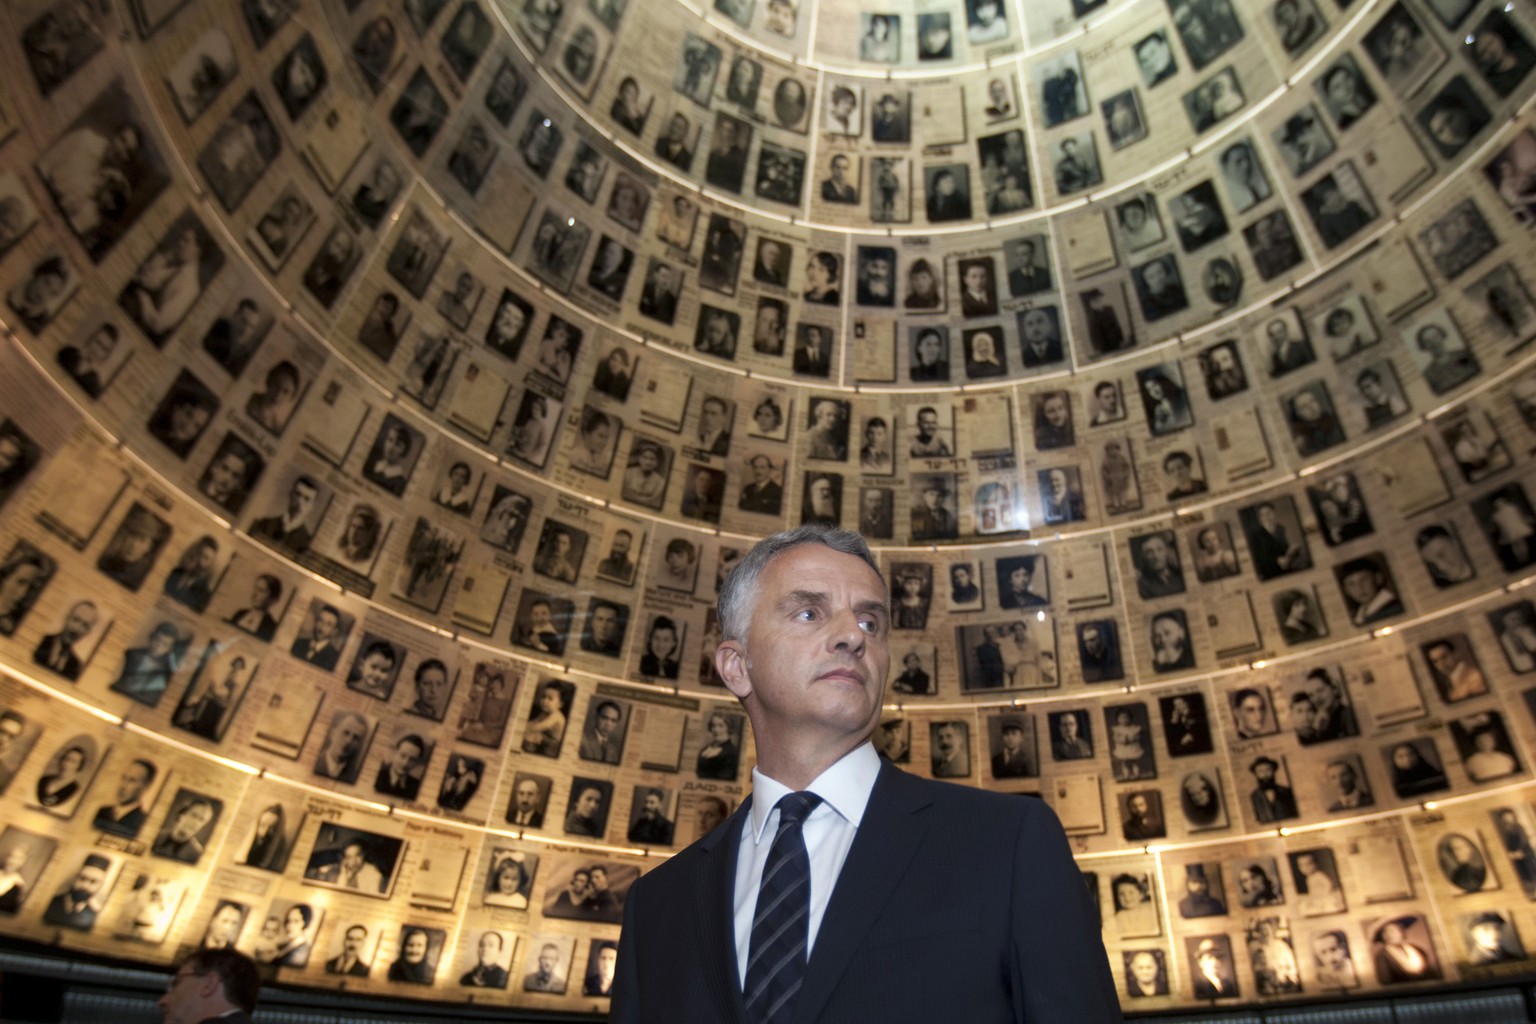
column 844, row 787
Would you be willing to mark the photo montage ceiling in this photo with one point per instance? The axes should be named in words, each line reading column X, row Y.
column 389, row 384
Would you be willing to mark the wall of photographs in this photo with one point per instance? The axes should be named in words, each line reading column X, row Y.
column 387, row 386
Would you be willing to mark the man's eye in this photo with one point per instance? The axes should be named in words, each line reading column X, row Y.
column 806, row 614
column 870, row 626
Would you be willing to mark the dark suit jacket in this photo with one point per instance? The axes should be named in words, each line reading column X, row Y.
column 942, row 881
column 326, row 657
column 48, row 650
column 357, row 970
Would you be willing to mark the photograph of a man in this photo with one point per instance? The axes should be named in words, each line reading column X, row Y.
column 805, row 626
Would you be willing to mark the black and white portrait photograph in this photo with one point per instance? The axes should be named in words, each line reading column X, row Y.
column 67, row 774
column 1500, row 52
column 104, row 171
column 1486, row 748
column 163, row 290
column 1159, row 288
column 1172, row 646
column 1075, row 163
column 1138, row 222
column 1214, row 100
column 1404, row 54
column 1155, row 58
column 1303, row 140
column 43, row 292
column 1186, row 724
column 23, row 856
column 135, row 545
column 213, row 697
column 1063, row 89
column 1164, row 398
column 1345, row 91
column 62, row 651
column 1310, row 416
column 1124, row 122
column 1098, row 651
column 24, row 572
column 281, row 228
column 1453, row 117
column 1514, row 625
column 332, row 266
column 1414, row 767
column 1208, row 29
column 419, row 113
column 1243, row 176
column 1339, row 205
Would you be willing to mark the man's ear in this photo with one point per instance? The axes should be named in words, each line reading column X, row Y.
column 731, row 663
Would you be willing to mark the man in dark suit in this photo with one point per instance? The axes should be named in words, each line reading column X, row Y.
column 980, row 886
column 212, row 984
column 77, row 906
column 1026, row 278
column 322, row 647
column 400, row 772
column 1012, row 760
column 763, row 493
column 527, row 808
column 56, row 651
column 125, row 815
column 350, row 960
column 291, row 529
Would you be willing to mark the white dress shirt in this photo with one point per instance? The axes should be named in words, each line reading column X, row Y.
column 844, row 789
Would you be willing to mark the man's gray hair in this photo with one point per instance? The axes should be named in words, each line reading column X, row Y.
column 739, row 591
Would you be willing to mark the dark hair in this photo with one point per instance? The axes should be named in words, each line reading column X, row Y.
column 236, row 972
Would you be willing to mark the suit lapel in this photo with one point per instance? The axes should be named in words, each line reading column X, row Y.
column 714, row 890
column 888, row 836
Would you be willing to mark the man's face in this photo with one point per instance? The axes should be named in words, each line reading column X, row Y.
column 416, row 948
column 817, row 658
column 79, row 622
column 549, row 957
column 1265, row 773
column 710, row 815
column 131, row 785
column 191, row 821
column 1443, row 658
column 490, row 948
column 1013, row 738
column 1342, row 778
column 300, row 500
column 608, row 718
column 652, row 805
column 136, row 544
column 527, row 795
column 430, row 686
column 1138, row 805
column 351, row 858
column 1156, row 276
column 407, row 753
column 975, row 275
column 1168, row 634
column 588, row 803
column 1093, row 640
column 1306, row 407
column 1068, row 727
column 326, row 624
column 1154, row 555
column 1251, row 711
column 1330, row 953
column 947, row 740
column 1058, row 484
column 348, row 736
column 927, row 424
column 715, row 331
column 762, row 469
column 1360, row 586
column 712, row 417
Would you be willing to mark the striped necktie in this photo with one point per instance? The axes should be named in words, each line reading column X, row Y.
column 781, row 923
